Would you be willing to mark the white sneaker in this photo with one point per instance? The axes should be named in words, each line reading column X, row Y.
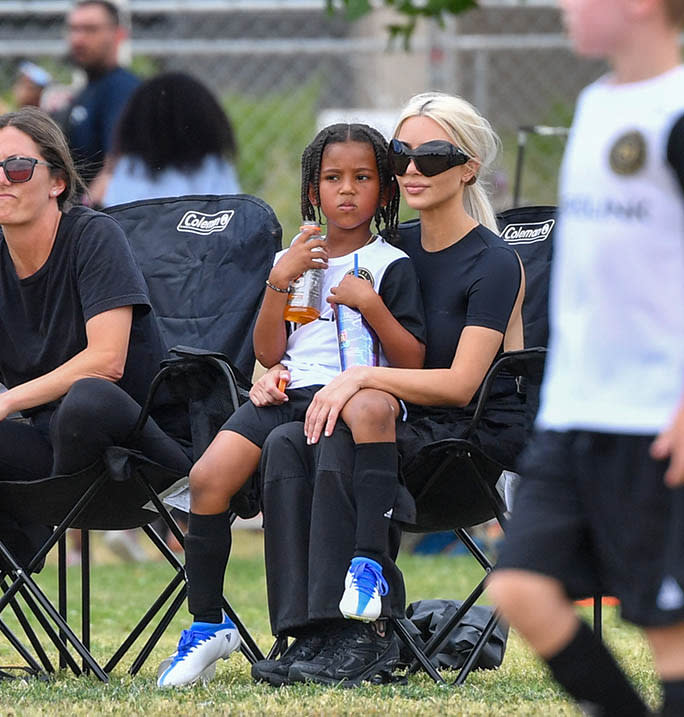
column 199, row 648
column 364, row 585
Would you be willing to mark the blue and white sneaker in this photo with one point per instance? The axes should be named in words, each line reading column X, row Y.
column 199, row 648
column 363, row 588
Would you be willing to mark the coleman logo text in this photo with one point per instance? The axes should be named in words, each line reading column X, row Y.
column 527, row 233
column 200, row 223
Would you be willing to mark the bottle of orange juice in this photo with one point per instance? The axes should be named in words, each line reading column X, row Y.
column 304, row 302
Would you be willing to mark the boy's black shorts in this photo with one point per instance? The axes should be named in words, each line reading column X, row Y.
column 255, row 423
column 592, row 511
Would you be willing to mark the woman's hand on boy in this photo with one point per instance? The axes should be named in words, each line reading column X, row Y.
column 355, row 292
column 268, row 390
column 327, row 404
column 297, row 259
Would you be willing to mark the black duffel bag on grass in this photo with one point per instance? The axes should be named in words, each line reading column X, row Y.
column 424, row 618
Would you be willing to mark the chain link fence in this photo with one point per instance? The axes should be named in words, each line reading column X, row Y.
column 284, row 67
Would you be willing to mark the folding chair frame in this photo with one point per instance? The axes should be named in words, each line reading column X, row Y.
column 528, row 363
column 53, row 621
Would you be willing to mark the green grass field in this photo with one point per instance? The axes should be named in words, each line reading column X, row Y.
column 120, row 592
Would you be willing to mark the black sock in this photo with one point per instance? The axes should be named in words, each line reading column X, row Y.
column 375, row 482
column 673, row 698
column 589, row 673
column 207, row 547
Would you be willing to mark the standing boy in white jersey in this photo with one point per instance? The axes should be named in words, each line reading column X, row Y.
column 601, row 503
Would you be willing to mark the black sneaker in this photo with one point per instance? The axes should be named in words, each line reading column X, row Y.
column 363, row 651
column 275, row 672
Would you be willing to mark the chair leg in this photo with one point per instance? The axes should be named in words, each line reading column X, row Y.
column 278, row 648
column 159, row 630
column 248, row 647
column 20, row 648
column 425, row 663
column 22, row 579
column 26, row 626
column 475, row 653
column 598, row 615
column 62, row 589
column 153, row 610
column 85, row 591
column 437, row 640
column 474, row 549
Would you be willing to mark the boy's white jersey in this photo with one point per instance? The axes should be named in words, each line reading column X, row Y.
column 616, row 354
column 312, row 356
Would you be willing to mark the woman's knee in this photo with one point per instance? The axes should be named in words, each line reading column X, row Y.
column 286, row 436
column 371, row 410
column 285, row 453
column 83, row 405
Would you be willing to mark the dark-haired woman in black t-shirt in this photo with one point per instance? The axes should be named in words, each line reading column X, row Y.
column 79, row 343
column 472, row 286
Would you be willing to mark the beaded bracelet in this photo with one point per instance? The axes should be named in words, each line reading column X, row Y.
column 277, row 288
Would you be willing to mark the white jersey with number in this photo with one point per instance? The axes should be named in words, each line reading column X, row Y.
column 616, row 354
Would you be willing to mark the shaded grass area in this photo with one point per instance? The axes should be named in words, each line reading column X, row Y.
column 120, row 593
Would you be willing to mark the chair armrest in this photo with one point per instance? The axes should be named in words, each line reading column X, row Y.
column 200, row 354
column 189, row 364
column 528, row 363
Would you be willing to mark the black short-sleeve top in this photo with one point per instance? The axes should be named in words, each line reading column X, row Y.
column 43, row 317
column 473, row 282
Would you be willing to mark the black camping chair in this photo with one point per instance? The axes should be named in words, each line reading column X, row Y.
column 215, row 254
column 457, row 487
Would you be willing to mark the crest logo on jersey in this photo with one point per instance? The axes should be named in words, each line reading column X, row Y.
column 363, row 274
column 628, row 154
column 528, row 232
column 201, row 223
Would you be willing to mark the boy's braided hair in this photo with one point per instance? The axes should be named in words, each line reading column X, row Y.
column 386, row 217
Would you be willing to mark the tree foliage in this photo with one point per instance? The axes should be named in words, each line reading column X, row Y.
column 413, row 10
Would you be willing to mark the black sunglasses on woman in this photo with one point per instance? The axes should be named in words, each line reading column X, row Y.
column 430, row 158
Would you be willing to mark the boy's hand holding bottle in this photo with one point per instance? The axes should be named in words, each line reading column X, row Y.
column 307, row 251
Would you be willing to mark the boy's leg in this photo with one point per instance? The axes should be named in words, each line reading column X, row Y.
column 539, row 609
column 223, row 469
column 229, row 461
column 371, row 416
column 667, row 645
column 226, row 465
column 549, row 556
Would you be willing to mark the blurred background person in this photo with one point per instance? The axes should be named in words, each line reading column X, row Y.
column 173, row 139
column 28, row 87
column 95, row 33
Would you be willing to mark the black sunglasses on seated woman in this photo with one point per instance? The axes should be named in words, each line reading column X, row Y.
column 20, row 169
column 430, row 158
